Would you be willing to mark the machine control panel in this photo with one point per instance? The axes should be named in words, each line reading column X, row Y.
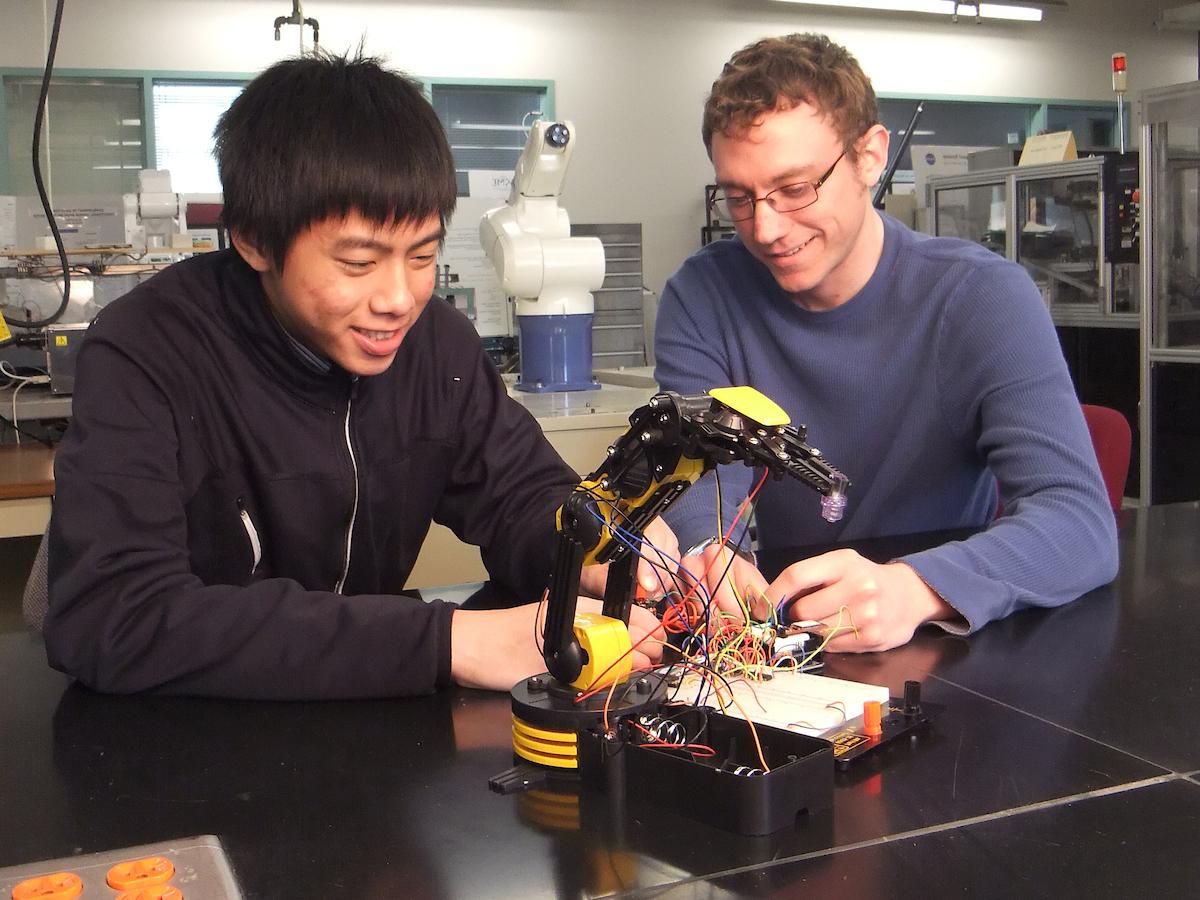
column 1122, row 219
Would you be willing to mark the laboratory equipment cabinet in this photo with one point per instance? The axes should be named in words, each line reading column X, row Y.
column 1075, row 228
column 1170, row 361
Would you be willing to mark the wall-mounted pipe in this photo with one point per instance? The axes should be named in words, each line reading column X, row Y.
column 297, row 18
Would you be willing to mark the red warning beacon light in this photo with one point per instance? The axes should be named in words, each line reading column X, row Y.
column 1118, row 72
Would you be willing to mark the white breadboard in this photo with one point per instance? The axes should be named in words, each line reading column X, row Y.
column 794, row 701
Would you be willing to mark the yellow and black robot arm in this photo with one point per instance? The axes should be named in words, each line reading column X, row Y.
column 671, row 442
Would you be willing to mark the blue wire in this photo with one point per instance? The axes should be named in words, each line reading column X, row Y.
column 627, row 539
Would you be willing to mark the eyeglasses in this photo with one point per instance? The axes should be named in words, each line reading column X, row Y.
column 786, row 199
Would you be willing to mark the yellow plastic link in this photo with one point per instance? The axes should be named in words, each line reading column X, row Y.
column 605, row 641
column 752, row 404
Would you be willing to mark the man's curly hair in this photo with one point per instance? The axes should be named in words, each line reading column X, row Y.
column 781, row 72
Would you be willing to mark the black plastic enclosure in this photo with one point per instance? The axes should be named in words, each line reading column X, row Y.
column 729, row 789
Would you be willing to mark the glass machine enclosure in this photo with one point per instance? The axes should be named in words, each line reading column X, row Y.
column 1075, row 228
column 1170, row 407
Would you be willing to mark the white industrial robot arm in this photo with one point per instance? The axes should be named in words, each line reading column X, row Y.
column 542, row 168
column 529, row 241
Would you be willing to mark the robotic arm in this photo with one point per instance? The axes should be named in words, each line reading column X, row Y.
column 551, row 274
column 529, row 241
column 542, row 168
column 671, row 443
column 589, row 719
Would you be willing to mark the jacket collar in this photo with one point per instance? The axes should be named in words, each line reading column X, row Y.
column 297, row 369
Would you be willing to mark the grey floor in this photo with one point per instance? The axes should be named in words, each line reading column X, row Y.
column 16, row 556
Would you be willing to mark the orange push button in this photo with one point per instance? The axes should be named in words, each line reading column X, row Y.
column 158, row 892
column 59, row 886
column 872, row 718
column 139, row 873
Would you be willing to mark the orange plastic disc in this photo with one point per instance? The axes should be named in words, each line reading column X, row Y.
column 59, row 886
column 158, row 892
column 137, row 873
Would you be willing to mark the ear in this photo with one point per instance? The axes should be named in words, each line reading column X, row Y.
column 872, row 154
column 248, row 250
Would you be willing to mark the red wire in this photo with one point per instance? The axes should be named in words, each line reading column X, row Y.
column 746, row 504
column 589, row 691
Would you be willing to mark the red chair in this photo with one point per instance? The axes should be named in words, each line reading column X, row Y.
column 1113, row 440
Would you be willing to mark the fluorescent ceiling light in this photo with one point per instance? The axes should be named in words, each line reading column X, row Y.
column 938, row 7
column 475, row 126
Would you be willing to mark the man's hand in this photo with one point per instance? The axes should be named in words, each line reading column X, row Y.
column 885, row 603
column 494, row 649
column 645, row 633
column 655, row 568
column 726, row 576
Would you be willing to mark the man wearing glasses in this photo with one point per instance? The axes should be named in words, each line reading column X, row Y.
column 928, row 368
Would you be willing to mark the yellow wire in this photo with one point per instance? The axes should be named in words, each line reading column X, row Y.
column 724, row 562
column 753, row 731
column 838, row 626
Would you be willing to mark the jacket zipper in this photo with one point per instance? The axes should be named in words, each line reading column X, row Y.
column 341, row 582
column 252, row 534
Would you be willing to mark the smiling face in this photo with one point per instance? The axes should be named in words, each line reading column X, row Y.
column 822, row 255
column 350, row 289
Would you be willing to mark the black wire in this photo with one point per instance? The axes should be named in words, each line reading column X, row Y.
column 663, row 559
column 680, row 586
column 37, row 175
column 701, row 671
column 33, row 437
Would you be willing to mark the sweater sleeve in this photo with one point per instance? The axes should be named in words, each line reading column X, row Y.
column 1002, row 378
column 128, row 614
column 691, row 357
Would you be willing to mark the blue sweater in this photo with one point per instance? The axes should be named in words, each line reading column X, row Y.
column 941, row 379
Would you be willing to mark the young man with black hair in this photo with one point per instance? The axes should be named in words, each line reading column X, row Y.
column 928, row 369
column 262, row 436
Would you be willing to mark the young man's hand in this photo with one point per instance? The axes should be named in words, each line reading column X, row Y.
column 660, row 548
column 494, row 649
column 884, row 603
column 726, row 577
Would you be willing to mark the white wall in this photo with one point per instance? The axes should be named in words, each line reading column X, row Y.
column 631, row 73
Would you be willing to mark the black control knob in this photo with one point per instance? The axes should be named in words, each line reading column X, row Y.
column 912, row 698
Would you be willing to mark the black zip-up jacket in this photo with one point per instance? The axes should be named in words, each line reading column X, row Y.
column 230, row 521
